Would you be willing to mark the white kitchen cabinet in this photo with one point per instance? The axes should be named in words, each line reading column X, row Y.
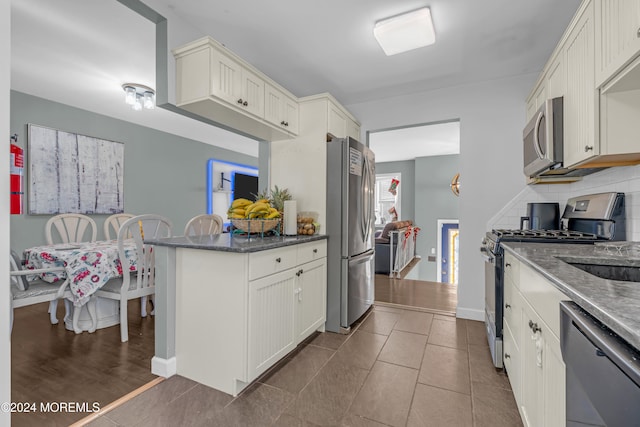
column 337, row 123
column 556, row 78
column 353, row 129
column 214, row 83
column 581, row 112
column 617, row 27
column 281, row 110
column 239, row 313
column 271, row 320
column 532, row 355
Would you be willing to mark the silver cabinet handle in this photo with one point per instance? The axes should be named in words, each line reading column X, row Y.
column 245, row 103
column 507, row 356
column 588, row 148
column 240, row 101
column 315, row 251
column 507, row 265
column 507, row 306
column 534, row 327
column 278, row 259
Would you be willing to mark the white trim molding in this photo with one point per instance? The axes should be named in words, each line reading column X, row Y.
column 164, row 367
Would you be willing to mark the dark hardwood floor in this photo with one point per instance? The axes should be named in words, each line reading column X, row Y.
column 52, row 365
column 435, row 297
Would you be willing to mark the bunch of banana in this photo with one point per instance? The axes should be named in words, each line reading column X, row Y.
column 246, row 209
column 238, row 208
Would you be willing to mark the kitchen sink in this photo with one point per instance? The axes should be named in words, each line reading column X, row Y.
column 606, row 270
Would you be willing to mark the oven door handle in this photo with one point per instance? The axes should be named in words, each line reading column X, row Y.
column 487, row 255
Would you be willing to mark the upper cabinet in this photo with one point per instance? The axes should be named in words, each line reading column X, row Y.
column 581, row 139
column 214, row 83
column 618, row 27
column 340, row 124
column 596, row 68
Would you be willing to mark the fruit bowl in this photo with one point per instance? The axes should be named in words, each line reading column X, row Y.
column 255, row 225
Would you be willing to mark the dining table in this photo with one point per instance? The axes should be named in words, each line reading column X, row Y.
column 89, row 265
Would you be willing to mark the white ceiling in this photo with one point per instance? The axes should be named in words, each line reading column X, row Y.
column 416, row 141
column 80, row 52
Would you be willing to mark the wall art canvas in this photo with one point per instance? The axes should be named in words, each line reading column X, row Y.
column 71, row 173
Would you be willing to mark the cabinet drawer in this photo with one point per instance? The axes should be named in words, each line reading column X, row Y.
column 308, row 252
column 269, row 262
column 512, row 308
column 511, row 269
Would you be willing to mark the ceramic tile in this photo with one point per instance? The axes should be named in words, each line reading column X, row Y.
column 329, row 340
column 476, row 333
column 194, row 407
column 148, row 402
column 445, row 318
column 448, row 333
column 386, row 395
column 388, row 309
column 286, row 420
column 494, row 407
column 257, row 406
column 482, row 369
column 293, row 375
column 360, row 350
column 447, row 368
column 434, row 406
column 380, row 322
column 404, row 348
column 415, row 321
column 326, row 399
column 351, row 420
column 103, row 421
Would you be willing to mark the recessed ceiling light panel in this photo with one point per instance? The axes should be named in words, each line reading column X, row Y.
column 405, row 32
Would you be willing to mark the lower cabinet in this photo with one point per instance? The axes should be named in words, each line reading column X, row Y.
column 237, row 314
column 532, row 356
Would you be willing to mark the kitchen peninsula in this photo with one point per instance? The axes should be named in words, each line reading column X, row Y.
column 228, row 306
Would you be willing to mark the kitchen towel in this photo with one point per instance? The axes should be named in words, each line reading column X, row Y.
column 290, row 220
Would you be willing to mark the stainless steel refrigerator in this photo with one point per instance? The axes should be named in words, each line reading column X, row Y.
column 350, row 227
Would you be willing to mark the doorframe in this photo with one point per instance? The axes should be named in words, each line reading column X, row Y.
column 440, row 224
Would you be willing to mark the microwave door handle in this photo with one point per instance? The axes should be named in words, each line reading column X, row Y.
column 536, row 141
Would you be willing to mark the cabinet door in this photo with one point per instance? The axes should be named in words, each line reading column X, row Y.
column 556, row 77
column 252, row 93
column 554, row 383
column 531, row 352
column 311, row 296
column 581, row 140
column 512, row 361
column 271, row 320
column 353, row 129
column 337, row 125
column 617, row 35
column 291, row 112
column 226, row 78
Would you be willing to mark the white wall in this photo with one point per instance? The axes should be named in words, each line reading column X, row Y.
column 5, row 333
column 492, row 116
column 620, row 179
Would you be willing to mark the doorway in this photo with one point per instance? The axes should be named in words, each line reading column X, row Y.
column 448, row 251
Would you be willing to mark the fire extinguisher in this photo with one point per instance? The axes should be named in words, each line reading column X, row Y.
column 16, row 169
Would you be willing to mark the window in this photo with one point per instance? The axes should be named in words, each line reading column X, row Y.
column 385, row 200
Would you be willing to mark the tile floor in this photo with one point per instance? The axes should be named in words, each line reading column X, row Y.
column 397, row 368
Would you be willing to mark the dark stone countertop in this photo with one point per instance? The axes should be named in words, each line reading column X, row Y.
column 227, row 242
column 615, row 303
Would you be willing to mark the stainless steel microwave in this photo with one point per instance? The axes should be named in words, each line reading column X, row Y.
column 542, row 138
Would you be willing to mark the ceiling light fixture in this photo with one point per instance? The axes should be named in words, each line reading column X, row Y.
column 405, row 32
column 139, row 96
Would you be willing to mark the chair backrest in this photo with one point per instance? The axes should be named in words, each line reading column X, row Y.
column 114, row 222
column 202, row 225
column 138, row 228
column 71, row 228
column 15, row 264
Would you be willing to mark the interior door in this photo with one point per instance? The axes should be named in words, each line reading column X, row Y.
column 450, row 250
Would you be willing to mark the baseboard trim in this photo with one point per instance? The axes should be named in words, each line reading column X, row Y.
column 470, row 313
column 164, row 367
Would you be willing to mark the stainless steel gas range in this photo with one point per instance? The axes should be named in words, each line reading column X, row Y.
column 586, row 219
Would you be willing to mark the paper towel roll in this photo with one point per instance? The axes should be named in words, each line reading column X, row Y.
column 290, row 218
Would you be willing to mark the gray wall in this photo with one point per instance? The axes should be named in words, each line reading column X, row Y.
column 434, row 201
column 163, row 173
column 407, row 183
column 426, row 198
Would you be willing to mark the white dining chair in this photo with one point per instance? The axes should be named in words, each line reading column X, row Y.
column 204, row 224
column 141, row 282
column 113, row 223
column 68, row 228
column 26, row 292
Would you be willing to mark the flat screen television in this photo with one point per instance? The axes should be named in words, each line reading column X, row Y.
column 244, row 186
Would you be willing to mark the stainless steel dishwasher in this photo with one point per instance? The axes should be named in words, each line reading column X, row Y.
column 603, row 372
